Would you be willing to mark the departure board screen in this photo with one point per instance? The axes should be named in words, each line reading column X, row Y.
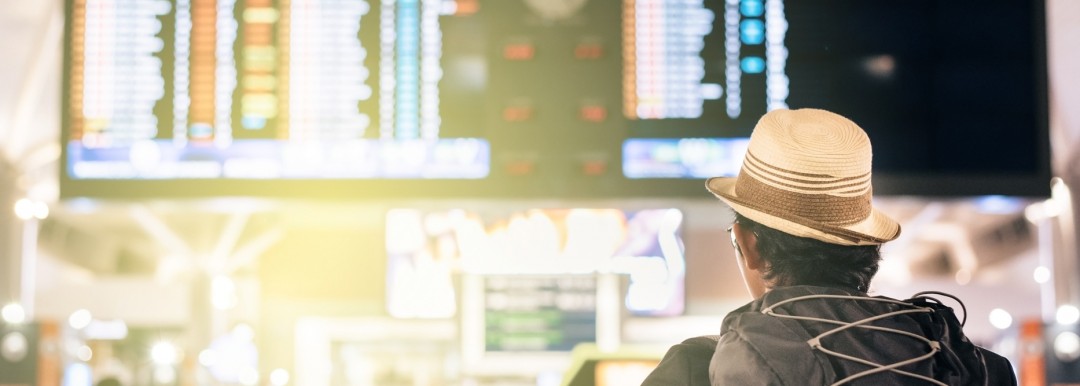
column 426, row 250
column 204, row 90
column 530, row 98
column 952, row 94
column 539, row 313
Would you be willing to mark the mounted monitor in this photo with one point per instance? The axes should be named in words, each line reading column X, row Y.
column 530, row 99
column 428, row 252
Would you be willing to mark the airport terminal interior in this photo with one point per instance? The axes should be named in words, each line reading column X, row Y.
column 499, row 192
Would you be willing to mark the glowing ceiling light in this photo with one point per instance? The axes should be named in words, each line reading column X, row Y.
column 40, row 210
column 80, row 319
column 1000, row 318
column 13, row 313
column 164, row 353
column 24, row 209
column 84, row 353
column 244, row 332
column 223, row 293
column 1041, row 275
column 1068, row 314
column 279, row 377
column 1067, row 346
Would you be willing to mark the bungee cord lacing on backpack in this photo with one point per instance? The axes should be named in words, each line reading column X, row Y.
column 815, row 342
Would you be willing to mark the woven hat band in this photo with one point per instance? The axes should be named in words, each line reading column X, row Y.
column 808, row 183
column 823, row 208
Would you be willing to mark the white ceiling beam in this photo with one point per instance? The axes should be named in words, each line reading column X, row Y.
column 159, row 231
column 41, row 70
column 227, row 241
column 250, row 252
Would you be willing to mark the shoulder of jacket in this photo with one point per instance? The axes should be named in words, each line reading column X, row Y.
column 707, row 341
column 768, row 351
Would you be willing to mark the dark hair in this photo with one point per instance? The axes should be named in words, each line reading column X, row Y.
column 793, row 260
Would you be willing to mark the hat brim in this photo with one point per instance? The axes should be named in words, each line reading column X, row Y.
column 875, row 229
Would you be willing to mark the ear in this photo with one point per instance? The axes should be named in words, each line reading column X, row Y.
column 748, row 247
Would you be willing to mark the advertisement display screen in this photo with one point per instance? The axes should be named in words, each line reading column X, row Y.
column 428, row 250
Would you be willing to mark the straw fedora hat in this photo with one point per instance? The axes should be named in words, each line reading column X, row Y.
column 807, row 173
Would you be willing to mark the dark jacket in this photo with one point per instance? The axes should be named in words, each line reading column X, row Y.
column 760, row 344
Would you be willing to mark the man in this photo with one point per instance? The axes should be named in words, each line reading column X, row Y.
column 807, row 242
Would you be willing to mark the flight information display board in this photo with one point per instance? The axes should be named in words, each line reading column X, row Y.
column 426, row 250
column 532, row 98
column 205, row 89
column 539, row 313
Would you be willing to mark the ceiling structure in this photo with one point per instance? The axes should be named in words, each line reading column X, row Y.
column 942, row 238
column 116, row 236
column 30, row 99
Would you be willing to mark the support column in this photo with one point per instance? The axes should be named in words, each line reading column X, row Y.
column 11, row 237
column 1067, row 257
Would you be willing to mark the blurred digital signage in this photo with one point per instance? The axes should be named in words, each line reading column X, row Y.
column 538, row 312
column 428, row 250
column 253, row 89
column 511, row 98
